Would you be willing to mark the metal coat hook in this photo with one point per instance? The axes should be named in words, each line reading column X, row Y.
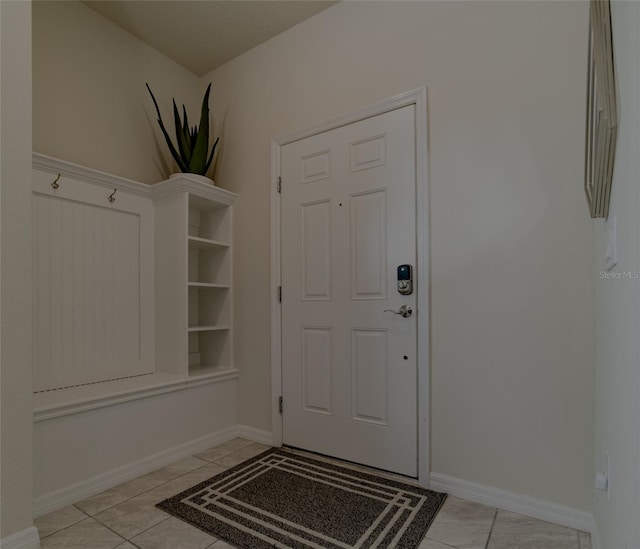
column 112, row 196
column 55, row 184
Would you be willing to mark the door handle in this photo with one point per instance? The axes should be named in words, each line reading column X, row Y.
column 405, row 311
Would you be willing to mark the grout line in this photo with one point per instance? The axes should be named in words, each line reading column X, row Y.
column 129, row 542
column 439, row 542
column 144, row 491
column 124, row 539
column 65, row 527
column 93, row 517
column 94, row 520
column 493, row 523
column 146, row 530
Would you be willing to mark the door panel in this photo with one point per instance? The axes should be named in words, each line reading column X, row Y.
column 368, row 249
column 348, row 220
column 316, row 370
column 316, row 250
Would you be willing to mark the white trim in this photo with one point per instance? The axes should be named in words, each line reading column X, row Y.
column 81, row 490
column 418, row 98
column 596, row 542
column 424, row 285
column 256, row 435
column 89, row 487
column 186, row 183
column 412, row 97
column 276, row 280
column 516, row 503
column 25, row 539
column 75, row 171
column 64, row 402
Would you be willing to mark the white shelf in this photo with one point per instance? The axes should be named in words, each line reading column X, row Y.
column 207, row 328
column 208, row 370
column 198, row 243
column 72, row 400
column 208, row 285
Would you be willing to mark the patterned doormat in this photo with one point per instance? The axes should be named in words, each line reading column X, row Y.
column 283, row 499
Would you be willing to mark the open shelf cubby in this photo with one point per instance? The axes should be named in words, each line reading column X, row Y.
column 196, row 228
column 209, row 351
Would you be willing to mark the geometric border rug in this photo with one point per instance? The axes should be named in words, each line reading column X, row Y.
column 284, row 499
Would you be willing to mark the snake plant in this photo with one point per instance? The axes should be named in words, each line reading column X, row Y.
column 192, row 152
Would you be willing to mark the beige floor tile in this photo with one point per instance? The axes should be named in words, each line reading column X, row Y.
column 184, row 482
column 432, row 544
column 513, row 531
column 213, row 454
column 122, row 492
column 171, row 534
column 237, row 457
column 126, row 545
column 118, row 494
column 83, row 535
column 462, row 524
column 224, row 449
column 234, row 444
column 252, row 450
column 133, row 516
column 176, row 469
column 585, row 540
column 52, row 522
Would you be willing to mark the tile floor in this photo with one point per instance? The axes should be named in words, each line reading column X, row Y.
column 125, row 516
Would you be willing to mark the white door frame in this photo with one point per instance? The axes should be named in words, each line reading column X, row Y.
column 419, row 99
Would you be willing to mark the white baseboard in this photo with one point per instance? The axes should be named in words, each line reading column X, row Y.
column 81, row 490
column 596, row 542
column 99, row 483
column 25, row 539
column 257, row 435
column 516, row 503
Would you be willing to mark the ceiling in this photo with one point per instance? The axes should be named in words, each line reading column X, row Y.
column 201, row 35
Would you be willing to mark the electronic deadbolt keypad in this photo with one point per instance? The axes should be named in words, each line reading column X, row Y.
column 405, row 279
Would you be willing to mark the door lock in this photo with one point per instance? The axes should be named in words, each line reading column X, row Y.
column 405, row 279
column 405, row 311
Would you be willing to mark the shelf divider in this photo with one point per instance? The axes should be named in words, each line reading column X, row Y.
column 207, row 328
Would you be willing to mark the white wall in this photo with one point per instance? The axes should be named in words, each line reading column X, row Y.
column 78, row 450
column 618, row 300
column 15, row 273
column 91, row 107
column 512, row 291
column 90, row 104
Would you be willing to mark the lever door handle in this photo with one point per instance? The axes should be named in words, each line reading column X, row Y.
column 405, row 311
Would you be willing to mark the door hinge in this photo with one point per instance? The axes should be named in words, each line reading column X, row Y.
column 279, row 294
column 280, row 404
column 279, row 184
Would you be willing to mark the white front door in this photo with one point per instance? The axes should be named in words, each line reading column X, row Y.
column 348, row 220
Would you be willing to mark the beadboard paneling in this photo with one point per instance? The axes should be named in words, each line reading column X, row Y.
column 89, row 287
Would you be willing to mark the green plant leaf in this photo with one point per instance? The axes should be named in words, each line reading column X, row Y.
column 182, row 165
column 183, row 141
column 213, row 149
column 185, row 129
column 192, row 152
column 199, row 158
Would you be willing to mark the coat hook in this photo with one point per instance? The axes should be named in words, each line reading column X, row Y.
column 55, row 184
column 112, row 197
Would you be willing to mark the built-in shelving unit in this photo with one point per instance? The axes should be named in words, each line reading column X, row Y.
column 133, row 302
column 194, row 236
